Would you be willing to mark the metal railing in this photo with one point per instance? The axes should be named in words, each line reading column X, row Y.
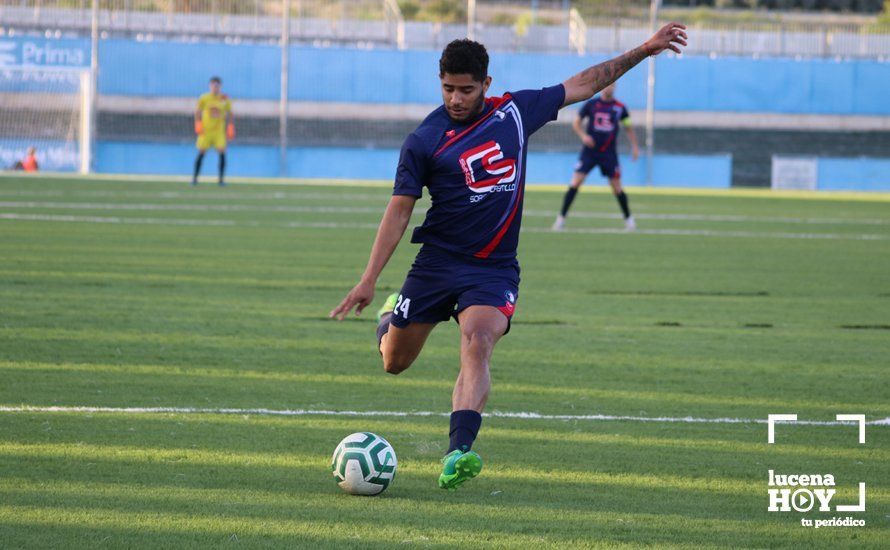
column 577, row 32
column 396, row 23
column 367, row 23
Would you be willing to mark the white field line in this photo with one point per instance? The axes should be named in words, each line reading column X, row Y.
column 729, row 218
column 227, row 195
column 115, row 220
column 369, row 414
column 716, row 218
column 339, row 225
column 717, row 233
column 180, row 207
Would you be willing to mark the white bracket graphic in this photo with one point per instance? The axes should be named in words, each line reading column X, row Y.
column 860, row 418
column 771, row 424
column 857, row 418
column 854, row 507
column 772, row 418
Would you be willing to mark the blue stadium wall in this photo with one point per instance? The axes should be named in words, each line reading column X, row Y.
column 349, row 163
column 178, row 69
column 387, row 76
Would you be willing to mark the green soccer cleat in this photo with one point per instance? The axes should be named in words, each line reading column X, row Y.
column 458, row 467
column 388, row 305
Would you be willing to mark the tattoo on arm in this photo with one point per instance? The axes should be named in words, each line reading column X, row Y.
column 607, row 72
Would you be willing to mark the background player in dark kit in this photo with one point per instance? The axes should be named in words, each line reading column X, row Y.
column 597, row 126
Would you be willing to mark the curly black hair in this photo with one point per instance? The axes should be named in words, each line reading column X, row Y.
column 464, row 56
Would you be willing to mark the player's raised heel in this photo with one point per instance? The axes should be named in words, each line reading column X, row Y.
column 458, row 467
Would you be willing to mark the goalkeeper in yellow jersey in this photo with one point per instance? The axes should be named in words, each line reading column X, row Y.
column 214, row 125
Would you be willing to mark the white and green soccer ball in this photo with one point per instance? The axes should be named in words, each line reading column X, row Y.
column 363, row 464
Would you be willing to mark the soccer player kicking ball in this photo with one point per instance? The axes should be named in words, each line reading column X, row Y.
column 470, row 154
column 214, row 124
column 603, row 114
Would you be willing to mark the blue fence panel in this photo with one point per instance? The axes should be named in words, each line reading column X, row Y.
column 704, row 171
column 688, row 83
column 683, row 84
column 422, row 78
column 833, row 86
column 761, row 85
column 180, row 69
column 853, row 174
column 346, row 75
column 713, row 171
column 116, row 157
column 342, row 163
column 819, row 86
column 390, row 76
column 870, row 87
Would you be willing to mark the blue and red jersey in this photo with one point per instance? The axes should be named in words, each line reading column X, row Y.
column 603, row 121
column 475, row 172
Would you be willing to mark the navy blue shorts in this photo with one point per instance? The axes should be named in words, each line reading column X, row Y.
column 441, row 284
column 608, row 163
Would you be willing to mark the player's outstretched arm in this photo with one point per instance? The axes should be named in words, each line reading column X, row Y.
column 578, row 128
column 591, row 80
column 392, row 227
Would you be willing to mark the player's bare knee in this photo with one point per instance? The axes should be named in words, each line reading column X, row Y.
column 479, row 343
column 394, row 363
column 392, row 368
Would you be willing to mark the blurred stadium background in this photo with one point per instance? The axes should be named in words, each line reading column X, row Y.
column 788, row 93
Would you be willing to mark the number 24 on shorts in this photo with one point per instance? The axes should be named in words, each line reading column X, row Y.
column 402, row 306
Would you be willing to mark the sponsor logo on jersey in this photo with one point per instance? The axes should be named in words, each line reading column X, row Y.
column 499, row 174
column 602, row 122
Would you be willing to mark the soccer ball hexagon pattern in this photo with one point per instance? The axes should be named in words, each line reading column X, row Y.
column 363, row 464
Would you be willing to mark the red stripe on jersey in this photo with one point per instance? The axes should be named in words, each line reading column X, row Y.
column 608, row 141
column 489, row 248
column 494, row 103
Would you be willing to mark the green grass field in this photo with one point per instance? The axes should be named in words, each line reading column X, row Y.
column 149, row 294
